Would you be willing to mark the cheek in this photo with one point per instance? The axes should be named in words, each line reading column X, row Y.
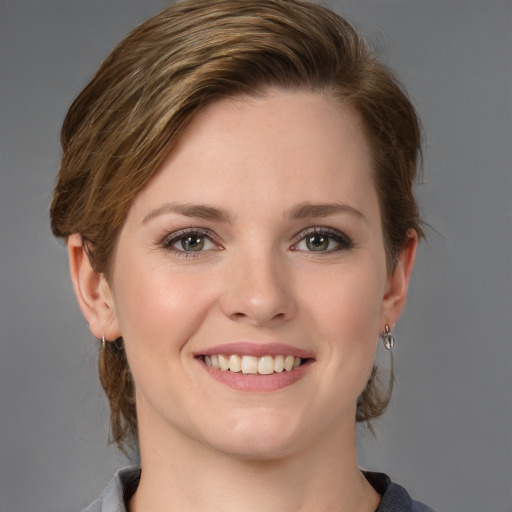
column 347, row 316
column 349, row 302
column 157, row 308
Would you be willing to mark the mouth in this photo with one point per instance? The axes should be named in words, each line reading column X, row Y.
column 252, row 365
column 255, row 367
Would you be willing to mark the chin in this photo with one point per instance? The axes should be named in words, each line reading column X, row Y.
column 260, row 438
column 258, row 449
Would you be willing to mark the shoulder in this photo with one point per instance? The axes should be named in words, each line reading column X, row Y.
column 394, row 497
column 117, row 492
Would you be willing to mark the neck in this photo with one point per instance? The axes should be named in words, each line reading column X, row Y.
column 183, row 474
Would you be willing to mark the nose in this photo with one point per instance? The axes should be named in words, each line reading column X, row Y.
column 259, row 289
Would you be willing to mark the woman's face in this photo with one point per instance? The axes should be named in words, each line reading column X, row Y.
column 259, row 236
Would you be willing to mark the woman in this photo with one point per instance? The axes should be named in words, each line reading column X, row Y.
column 236, row 195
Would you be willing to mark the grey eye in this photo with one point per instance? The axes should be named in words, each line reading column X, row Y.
column 317, row 242
column 323, row 240
column 192, row 243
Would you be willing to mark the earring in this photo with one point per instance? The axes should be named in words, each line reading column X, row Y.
column 387, row 338
column 103, row 341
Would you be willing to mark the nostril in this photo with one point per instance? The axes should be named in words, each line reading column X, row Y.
column 260, row 317
column 239, row 315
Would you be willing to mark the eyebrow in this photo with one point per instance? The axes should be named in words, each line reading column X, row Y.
column 304, row 210
column 198, row 211
column 301, row 211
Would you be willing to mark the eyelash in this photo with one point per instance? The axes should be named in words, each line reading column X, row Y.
column 175, row 237
column 343, row 241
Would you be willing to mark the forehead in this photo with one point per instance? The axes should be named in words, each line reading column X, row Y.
column 280, row 148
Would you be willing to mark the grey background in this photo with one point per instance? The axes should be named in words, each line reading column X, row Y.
column 448, row 434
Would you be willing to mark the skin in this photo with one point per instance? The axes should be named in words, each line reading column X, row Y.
column 258, row 161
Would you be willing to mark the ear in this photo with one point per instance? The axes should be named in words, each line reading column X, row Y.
column 395, row 295
column 92, row 291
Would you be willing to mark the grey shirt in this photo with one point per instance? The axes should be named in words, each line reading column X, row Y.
column 122, row 487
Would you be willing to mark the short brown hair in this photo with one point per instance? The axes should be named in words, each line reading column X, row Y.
column 127, row 119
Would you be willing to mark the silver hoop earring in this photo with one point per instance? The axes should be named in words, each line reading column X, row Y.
column 387, row 338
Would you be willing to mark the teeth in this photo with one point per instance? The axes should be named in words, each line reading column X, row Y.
column 279, row 364
column 249, row 364
column 223, row 363
column 235, row 363
column 253, row 365
column 266, row 365
column 288, row 363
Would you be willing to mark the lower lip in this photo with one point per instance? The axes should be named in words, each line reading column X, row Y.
column 256, row 382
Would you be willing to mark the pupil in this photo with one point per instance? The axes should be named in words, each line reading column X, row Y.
column 192, row 243
column 317, row 243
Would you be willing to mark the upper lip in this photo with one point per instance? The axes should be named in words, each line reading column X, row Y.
column 247, row 348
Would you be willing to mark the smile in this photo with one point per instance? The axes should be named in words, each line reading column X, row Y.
column 246, row 364
column 256, row 367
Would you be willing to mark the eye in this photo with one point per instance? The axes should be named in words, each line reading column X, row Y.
column 190, row 241
column 322, row 240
